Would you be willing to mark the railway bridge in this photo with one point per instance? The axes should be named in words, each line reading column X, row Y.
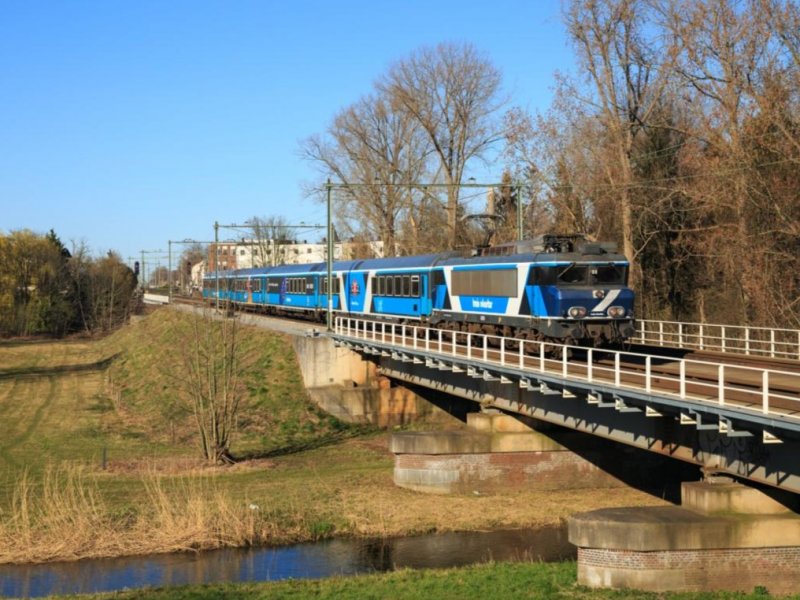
column 725, row 399
column 727, row 402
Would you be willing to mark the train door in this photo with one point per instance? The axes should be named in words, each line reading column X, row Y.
column 356, row 291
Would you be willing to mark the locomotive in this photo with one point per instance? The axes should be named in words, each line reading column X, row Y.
column 561, row 288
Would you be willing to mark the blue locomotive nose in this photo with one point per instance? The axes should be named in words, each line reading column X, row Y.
column 590, row 303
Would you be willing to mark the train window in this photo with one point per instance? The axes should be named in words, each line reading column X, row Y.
column 398, row 285
column 390, row 286
column 255, row 285
column 573, row 274
column 336, row 287
column 610, row 274
column 415, row 286
column 485, row 282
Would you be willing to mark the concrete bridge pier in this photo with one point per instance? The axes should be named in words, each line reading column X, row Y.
column 495, row 452
column 724, row 536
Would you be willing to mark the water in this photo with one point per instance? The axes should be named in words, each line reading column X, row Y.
column 312, row 560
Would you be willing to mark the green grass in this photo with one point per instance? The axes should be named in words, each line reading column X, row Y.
column 495, row 581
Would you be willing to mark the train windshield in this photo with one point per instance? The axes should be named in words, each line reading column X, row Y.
column 611, row 274
column 572, row 274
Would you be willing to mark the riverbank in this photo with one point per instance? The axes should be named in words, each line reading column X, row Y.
column 104, row 463
column 493, row 580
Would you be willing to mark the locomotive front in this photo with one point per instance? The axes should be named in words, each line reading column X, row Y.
column 589, row 300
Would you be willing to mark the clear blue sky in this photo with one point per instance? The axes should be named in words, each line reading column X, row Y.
column 126, row 124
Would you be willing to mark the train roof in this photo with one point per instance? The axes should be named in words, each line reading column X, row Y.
column 597, row 255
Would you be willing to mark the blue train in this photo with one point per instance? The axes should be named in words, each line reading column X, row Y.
column 562, row 288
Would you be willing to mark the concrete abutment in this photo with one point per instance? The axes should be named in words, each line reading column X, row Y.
column 342, row 383
column 724, row 536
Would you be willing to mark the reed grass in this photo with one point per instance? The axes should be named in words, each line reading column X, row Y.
column 63, row 516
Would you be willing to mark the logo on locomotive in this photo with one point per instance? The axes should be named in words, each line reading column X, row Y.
column 355, row 289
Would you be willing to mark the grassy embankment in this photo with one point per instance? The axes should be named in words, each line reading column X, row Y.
column 503, row 580
column 306, row 475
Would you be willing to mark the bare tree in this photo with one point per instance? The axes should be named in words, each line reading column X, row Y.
column 271, row 235
column 453, row 94
column 380, row 154
column 211, row 381
column 725, row 51
column 627, row 83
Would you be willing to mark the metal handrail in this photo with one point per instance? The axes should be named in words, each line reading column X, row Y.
column 534, row 356
column 741, row 339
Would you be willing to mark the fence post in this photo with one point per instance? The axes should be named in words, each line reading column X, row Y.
column 765, row 392
column 616, row 369
column 503, row 351
column 721, row 384
column 648, row 374
column 589, row 365
column 683, row 380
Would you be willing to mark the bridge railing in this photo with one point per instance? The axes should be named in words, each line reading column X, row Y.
column 765, row 391
column 754, row 341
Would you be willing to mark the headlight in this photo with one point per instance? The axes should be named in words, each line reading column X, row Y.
column 616, row 311
column 577, row 312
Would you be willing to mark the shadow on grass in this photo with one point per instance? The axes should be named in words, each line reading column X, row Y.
column 329, row 439
column 99, row 365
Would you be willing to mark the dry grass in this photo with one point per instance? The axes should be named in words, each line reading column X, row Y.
column 345, row 490
column 64, row 516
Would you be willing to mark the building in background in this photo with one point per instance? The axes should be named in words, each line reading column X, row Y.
column 198, row 270
column 246, row 254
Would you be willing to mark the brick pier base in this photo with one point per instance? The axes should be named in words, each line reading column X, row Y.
column 726, row 536
column 496, row 452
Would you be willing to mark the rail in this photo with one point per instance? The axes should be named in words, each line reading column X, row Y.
column 765, row 391
column 752, row 341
